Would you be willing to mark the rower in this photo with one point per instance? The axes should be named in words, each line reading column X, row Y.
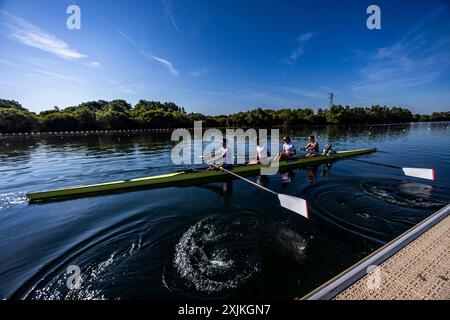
column 261, row 153
column 312, row 148
column 328, row 150
column 225, row 155
column 288, row 152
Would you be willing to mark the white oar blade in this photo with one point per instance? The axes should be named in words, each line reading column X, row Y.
column 420, row 173
column 295, row 204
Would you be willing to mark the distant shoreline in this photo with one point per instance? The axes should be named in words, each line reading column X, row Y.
column 119, row 115
column 168, row 130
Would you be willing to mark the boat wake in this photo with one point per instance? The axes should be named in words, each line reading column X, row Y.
column 8, row 200
column 404, row 193
column 375, row 210
column 215, row 256
column 52, row 291
column 210, row 258
column 96, row 277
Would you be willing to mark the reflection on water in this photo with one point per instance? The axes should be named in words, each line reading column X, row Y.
column 220, row 240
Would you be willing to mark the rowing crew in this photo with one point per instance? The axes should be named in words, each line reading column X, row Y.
column 311, row 149
column 224, row 157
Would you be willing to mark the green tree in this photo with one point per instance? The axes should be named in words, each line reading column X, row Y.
column 58, row 121
column 119, row 106
column 14, row 120
column 94, row 105
column 119, row 114
column 114, row 120
column 86, row 119
column 5, row 104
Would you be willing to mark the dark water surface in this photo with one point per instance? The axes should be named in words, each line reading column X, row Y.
column 201, row 242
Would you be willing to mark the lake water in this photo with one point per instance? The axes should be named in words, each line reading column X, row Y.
column 205, row 242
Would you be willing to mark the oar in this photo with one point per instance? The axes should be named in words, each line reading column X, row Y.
column 292, row 203
column 422, row 173
column 235, row 157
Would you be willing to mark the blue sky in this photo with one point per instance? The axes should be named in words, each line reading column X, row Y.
column 226, row 56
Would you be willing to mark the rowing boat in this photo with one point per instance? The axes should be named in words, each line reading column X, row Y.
column 181, row 178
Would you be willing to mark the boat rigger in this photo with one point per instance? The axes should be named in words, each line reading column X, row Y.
column 188, row 177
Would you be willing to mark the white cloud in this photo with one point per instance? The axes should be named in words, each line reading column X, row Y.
column 95, row 63
column 28, row 34
column 57, row 75
column 317, row 94
column 198, row 72
column 40, row 72
column 165, row 63
column 9, row 63
column 300, row 50
column 305, row 37
column 420, row 57
column 168, row 13
column 406, row 64
column 132, row 89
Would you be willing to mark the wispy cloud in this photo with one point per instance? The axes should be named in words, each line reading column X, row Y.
column 165, row 63
column 132, row 89
column 305, row 92
column 148, row 55
column 300, row 49
column 40, row 72
column 167, row 4
column 295, row 95
column 198, row 72
column 419, row 58
column 10, row 63
column 277, row 96
column 57, row 75
column 31, row 35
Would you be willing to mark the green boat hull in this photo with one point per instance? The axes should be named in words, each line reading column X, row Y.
column 182, row 178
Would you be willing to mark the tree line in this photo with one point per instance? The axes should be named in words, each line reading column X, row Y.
column 121, row 115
